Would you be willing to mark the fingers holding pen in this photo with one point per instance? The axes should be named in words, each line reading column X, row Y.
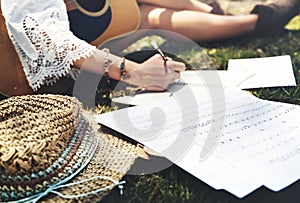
column 155, row 73
column 167, row 61
column 167, row 69
column 175, row 65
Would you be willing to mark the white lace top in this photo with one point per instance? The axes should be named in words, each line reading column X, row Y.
column 40, row 32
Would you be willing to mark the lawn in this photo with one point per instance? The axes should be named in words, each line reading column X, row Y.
column 175, row 185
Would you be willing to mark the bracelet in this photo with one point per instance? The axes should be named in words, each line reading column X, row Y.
column 107, row 62
column 121, row 66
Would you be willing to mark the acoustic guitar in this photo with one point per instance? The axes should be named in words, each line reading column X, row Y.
column 97, row 21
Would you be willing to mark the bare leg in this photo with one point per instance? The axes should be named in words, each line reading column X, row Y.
column 194, row 5
column 197, row 25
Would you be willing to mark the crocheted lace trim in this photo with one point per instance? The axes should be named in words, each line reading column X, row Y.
column 55, row 53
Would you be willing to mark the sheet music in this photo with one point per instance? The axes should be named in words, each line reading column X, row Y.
column 247, row 142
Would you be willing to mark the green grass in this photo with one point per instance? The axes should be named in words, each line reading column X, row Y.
column 175, row 185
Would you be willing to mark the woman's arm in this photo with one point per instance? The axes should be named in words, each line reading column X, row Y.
column 48, row 49
column 152, row 74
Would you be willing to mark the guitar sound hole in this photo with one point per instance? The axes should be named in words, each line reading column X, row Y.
column 91, row 5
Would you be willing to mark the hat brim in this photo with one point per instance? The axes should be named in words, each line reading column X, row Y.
column 113, row 157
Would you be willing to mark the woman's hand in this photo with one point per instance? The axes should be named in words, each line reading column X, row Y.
column 154, row 73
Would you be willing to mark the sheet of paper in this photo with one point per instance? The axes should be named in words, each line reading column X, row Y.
column 215, row 77
column 207, row 79
column 268, row 71
column 235, row 142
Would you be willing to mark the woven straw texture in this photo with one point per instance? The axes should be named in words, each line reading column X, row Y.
column 34, row 131
column 46, row 138
column 114, row 158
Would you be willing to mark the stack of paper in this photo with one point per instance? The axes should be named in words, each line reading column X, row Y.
column 242, row 73
column 237, row 143
column 222, row 135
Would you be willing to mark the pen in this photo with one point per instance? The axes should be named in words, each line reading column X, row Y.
column 155, row 46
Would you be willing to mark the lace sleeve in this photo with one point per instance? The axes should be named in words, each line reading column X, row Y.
column 40, row 32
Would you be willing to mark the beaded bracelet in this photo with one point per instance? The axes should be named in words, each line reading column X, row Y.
column 121, row 66
column 107, row 62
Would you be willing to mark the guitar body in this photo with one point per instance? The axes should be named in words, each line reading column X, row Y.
column 101, row 20
column 12, row 77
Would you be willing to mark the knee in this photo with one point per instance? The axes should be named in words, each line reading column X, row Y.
column 150, row 16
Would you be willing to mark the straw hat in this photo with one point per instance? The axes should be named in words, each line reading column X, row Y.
column 51, row 151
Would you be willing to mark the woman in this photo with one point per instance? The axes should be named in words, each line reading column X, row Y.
column 39, row 50
column 200, row 22
column 192, row 18
column 47, row 49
